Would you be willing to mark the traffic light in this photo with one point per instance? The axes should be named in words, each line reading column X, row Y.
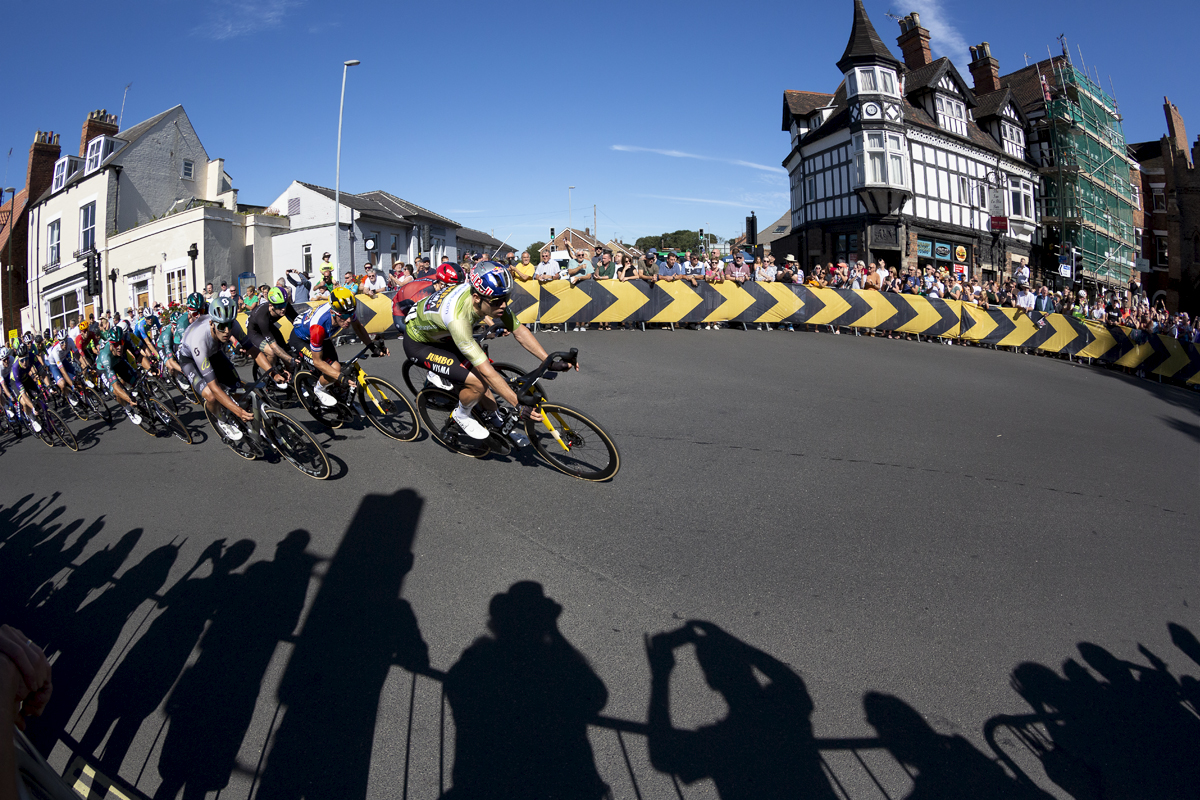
column 552, row 234
column 703, row 248
column 752, row 229
column 95, row 284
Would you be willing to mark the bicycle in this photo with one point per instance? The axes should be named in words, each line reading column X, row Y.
column 91, row 401
column 156, row 416
column 416, row 374
column 384, row 406
column 565, row 438
column 269, row 428
column 53, row 426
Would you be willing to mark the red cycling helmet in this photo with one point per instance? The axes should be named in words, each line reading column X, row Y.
column 449, row 274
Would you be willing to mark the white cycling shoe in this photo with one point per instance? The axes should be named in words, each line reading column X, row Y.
column 324, row 397
column 470, row 426
column 438, row 381
column 232, row 432
column 134, row 417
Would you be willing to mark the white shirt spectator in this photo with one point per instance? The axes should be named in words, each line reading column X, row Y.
column 765, row 274
column 1023, row 274
column 377, row 284
column 548, row 269
column 1025, row 299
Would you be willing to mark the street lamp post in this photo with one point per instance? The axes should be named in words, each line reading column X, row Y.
column 569, row 188
column 337, row 180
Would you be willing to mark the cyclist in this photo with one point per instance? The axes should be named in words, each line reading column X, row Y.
column 438, row 336
column 447, row 275
column 143, row 337
column 261, row 338
column 202, row 357
column 316, row 329
column 62, row 369
column 87, row 343
column 23, row 376
column 170, row 336
column 7, row 396
column 116, row 364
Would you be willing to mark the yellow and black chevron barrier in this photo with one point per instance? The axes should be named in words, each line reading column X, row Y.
column 557, row 302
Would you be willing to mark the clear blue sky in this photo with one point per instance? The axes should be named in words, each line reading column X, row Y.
column 486, row 112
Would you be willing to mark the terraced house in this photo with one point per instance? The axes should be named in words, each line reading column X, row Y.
column 906, row 162
column 147, row 207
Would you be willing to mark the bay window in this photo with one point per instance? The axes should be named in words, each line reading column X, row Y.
column 880, row 158
column 877, row 80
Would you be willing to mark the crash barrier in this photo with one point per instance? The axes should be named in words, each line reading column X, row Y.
column 557, row 302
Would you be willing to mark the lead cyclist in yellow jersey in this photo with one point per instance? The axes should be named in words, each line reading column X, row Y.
column 438, row 336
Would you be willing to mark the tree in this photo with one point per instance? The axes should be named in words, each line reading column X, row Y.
column 534, row 251
column 679, row 241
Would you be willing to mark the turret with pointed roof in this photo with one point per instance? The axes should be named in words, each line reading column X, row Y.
column 865, row 47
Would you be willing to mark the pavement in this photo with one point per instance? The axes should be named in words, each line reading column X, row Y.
column 856, row 542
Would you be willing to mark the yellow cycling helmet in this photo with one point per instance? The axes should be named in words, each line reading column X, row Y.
column 83, row 326
column 342, row 300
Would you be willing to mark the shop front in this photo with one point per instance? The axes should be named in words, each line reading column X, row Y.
column 938, row 253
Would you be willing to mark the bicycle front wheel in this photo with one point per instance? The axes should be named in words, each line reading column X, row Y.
column 435, row 407
column 233, row 433
column 573, row 443
column 389, row 410
column 168, row 419
column 61, row 431
column 414, row 374
column 296, row 444
column 159, row 390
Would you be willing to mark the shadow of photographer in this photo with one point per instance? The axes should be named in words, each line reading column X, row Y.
column 522, row 698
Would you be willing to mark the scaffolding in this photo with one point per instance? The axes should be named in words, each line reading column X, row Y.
column 1086, row 190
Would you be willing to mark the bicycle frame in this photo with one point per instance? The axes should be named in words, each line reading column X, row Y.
column 529, row 393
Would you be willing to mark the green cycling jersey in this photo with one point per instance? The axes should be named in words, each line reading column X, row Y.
column 449, row 316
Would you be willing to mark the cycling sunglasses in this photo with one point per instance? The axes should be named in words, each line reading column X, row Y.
column 223, row 326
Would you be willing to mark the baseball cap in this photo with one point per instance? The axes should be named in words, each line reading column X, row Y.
column 651, row 252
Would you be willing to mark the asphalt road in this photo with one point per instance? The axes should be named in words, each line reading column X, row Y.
column 885, row 530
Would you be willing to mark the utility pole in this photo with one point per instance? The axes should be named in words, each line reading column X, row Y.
column 595, row 228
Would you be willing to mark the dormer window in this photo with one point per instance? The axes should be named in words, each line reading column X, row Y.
column 64, row 168
column 952, row 115
column 1013, row 139
column 876, row 80
column 99, row 149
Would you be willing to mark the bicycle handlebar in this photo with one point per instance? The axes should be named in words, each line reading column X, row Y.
column 523, row 384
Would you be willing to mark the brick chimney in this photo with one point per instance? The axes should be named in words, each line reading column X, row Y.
column 1176, row 131
column 99, row 123
column 985, row 70
column 914, row 42
column 42, row 155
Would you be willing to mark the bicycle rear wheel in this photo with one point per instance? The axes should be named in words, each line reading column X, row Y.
column 389, row 410
column 96, row 405
column 435, row 407
column 304, row 383
column 573, row 443
column 296, row 444
column 169, row 420
column 79, row 407
column 46, row 435
column 226, row 426
column 61, row 431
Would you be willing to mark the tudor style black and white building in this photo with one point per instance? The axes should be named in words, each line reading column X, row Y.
column 905, row 162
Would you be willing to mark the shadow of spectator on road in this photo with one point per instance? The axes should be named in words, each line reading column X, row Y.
column 522, row 699
column 143, row 677
column 357, row 629
column 1118, row 729
column 211, row 706
column 764, row 747
column 941, row 767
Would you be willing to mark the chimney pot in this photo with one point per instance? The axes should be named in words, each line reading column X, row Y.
column 914, row 42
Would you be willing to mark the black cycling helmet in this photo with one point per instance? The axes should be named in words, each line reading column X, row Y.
column 196, row 302
column 23, row 352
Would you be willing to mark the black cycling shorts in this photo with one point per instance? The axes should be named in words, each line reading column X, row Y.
column 222, row 369
column 444, row 360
